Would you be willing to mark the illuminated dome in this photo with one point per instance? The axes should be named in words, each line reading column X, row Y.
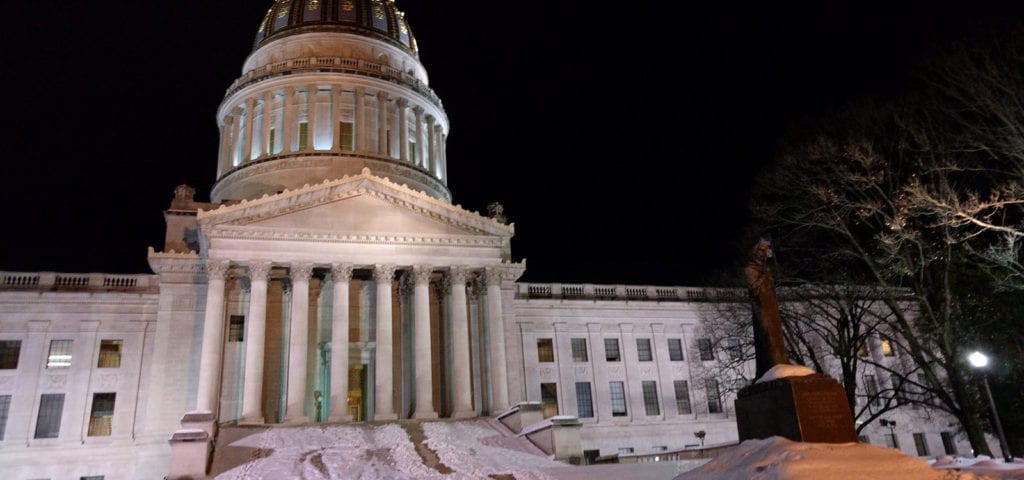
column 379, row 19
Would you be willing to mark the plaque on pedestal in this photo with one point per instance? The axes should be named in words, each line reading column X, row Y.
column 810, row 408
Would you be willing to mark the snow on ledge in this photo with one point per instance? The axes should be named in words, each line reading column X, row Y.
column 783, row 371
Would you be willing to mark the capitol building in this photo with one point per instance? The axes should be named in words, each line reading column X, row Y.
column 331, row 278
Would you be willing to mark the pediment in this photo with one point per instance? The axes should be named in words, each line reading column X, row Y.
column 353, row 207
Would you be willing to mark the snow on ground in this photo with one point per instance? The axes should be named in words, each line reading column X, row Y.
column 779, row 458
column 474, row 449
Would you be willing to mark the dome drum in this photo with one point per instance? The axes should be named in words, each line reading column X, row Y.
column 379, row 19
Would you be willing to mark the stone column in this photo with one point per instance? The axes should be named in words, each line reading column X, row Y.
column 382, row 123
column 431, row 146
column 421, row 329
column 403, row 128
column 289, row 120
column 250, row 119
column 359, row 124
column 311, row 92
column 444, row 158
column 213, row 337
column 496, row 341
column 341, row 274
column 238, row 141
column 460, row 345
column 336, row 96
column 384, row 381
column 268, row 109
column 298, row 343
column 255, row 340
column 225, row 147
column 419, row 136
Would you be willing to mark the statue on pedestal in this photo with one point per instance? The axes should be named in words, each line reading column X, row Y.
column 769, row 341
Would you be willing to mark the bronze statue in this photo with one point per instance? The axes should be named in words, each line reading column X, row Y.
column 769, row 344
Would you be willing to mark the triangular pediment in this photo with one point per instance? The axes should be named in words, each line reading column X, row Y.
column 353, row 207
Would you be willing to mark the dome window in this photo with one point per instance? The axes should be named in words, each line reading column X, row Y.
column 347, row 11
column 311, row 11
column 379, row 16
column 283, row 14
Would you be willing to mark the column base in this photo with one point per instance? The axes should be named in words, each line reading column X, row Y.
column 385, row 417
column 303, row 420
column 464, row 414
column 251, row 421
column 339, row 418
column 425, row 416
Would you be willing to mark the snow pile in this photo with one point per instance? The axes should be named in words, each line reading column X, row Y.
column 478, row 451
column 783, row 371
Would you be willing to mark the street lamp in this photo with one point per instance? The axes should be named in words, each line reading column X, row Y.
column 892, row 431
column 980, row 360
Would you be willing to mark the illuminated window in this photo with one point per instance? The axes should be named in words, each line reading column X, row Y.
column 102, row 414
column 236, row 328
column 545, row 350
column 611, row 350
column 60, row 354
column 110, row 354
column 584, row 400
column 579, row 350
column 862, row 350
column 643, row 350
column 10, row 350
column 651, row 404
column 886, row 346
column 618, row 396
column 303, row 135
column 682, row 397
column 675, row 349
column 549, row 399
column 714, row 396
column 704, row 346
column 51, row 407
column 346, row 130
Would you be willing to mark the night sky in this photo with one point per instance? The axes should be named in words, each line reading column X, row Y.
column 621, row 140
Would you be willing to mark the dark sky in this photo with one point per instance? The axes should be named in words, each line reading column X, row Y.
column 621, row 139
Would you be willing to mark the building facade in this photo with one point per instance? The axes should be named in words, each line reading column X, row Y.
column 331, row 279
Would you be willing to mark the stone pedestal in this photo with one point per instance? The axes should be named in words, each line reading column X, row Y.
column 810, row 408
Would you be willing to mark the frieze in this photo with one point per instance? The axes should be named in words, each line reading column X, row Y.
column 647, row 371
column 546, row 373
column 615, row 371
column 227, row 231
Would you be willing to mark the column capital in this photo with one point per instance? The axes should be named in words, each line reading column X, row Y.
column 402, row 102
column 382, row 96
column 217, row 269
column 301, row 271
column 494, row 275
column 418, row 110
column 422, row 273
column 341, row 272
column 260, row 270
column 459, row 274
column 430, row 119
column 384, row 273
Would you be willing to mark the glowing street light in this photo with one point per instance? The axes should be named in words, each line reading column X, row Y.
column 980, row 360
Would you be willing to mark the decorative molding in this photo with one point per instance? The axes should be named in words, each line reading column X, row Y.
column 341, row 272
column 190, row 255
column 260, row 270
column 108, row 381
column 383, row 273
column 458, row 274
column 546, row 373
column 582, row 372
column 615, row 371
column 647, row 371
column 244, row 232
column 53, row 382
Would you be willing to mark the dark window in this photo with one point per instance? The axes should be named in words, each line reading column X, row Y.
column 948, row 443
column 51, row 407
column 549, row 399
column 346, row 142
column 651, row 404
column 921, row 444
column 60, row 354
column 5, row 408
column 579, row 350
column 236, row 328
column 714, row 396
column 871, row 387
column 9, row 352
column 91, row 477
column 102, row 414
column 682, row 397
column 110, row 354
column 732, row 345
column 618, row 396
column 897, row 389
column 584, row 400
column 545, row 350
column 611, row 350
column 704, row 345
column 643, row 350
column 675, row 349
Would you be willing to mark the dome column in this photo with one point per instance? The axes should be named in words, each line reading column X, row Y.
column 268, row 108
column 444, row 157
column 311, row 92
column 237, row 142
column 225, row 144
column 403, row 128
column 289, row 119
column 337, row 95
column 298, row 343
column 382, row 123
column 420, row 152
column 359, row 136
column 383, row 358
column 250, row 119
column 432, row 145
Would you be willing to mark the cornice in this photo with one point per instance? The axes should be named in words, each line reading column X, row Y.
column 249, row 233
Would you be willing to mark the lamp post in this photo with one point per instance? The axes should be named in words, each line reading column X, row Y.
column 892, row 431
column 980, row 360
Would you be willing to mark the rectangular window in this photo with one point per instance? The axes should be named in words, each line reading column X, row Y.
column 579, row 350
column 549, row 399
column 675, row 350
column 886, row 346
column 714, row 396
column 584, row 400
column 704, row 345
column 60, row 354
column 110, row 354
column 682, row 397
column 611, row 350
column 5, row 408
column 625, row 450
column 948, row 443
column 272, row 141
column 236, row 328
column 102, row 414
column 897, row 389
column 862, row 350
column 618, row 395
column 643, row 350
column 651, row 404
column 51, row 407
column 347, row 142
column 871, row 387
column 921, row 444
column 412, row 153
column 10, row 350
column 545, row 350
column 91, row 477
column 303, row 135
column 732, row 345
